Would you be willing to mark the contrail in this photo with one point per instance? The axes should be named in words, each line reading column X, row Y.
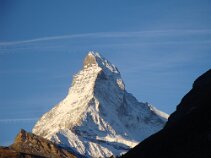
column 109, row 35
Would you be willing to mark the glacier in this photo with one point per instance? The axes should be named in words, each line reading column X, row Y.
column 98, row 117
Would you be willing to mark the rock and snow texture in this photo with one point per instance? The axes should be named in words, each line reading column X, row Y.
column 98, row 117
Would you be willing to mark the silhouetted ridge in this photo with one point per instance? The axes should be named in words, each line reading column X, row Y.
column 203, row 80
column 187, row 133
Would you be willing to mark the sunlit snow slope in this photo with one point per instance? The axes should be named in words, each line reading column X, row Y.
column 99, row 118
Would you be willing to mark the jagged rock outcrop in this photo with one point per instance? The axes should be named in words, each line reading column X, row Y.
column 98, row 117
column 28, row 145
column 187, row 133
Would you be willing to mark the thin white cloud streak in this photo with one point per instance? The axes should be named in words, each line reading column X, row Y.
column 16, row 120
column 143, row 43
column 112, row 35
column 38, row 71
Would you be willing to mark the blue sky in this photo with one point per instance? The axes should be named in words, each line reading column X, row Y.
column 160, row 47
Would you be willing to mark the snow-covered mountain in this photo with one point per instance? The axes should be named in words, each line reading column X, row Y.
column 98, row 117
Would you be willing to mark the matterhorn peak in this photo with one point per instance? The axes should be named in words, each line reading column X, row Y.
column 95, row 59
column 98, row 117
column 90, row 59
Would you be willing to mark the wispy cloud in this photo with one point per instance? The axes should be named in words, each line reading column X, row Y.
column 112, row 35
column 37, row 71
column 15, row 120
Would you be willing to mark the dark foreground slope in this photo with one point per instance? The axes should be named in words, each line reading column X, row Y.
column 28, row 145
column 187, row 133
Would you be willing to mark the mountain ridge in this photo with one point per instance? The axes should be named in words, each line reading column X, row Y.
column 32, row 146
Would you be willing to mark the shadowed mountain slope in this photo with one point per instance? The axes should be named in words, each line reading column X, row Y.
column 187, row 133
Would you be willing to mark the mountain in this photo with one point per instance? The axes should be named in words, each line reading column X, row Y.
column 98, row 117
column 32, row 146
column 187, row 134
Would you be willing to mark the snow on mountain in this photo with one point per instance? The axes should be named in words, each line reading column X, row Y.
column 98, row 117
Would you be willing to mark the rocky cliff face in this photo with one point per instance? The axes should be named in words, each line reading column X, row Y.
column 99, row 118
column 187, row 133
column 29, row 145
